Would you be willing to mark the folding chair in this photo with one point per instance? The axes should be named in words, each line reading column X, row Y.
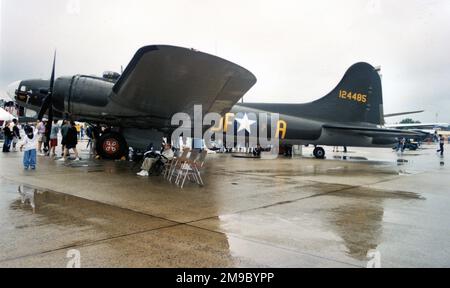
column 198, row 166
column 176, row 164
column 167, row 167
column 186, row 167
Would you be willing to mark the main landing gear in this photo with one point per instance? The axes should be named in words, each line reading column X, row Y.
column 112, row 145
column 319, row 153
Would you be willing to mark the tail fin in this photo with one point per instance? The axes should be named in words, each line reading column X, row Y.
column 357, row 98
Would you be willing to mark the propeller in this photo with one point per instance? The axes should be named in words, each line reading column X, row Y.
column 47, row 105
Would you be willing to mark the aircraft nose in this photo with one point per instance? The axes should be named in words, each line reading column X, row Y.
column 12, row 89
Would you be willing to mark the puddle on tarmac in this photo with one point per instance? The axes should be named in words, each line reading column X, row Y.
column 34, row 221
column 87, row 165
column 361, row 223
column 52, row 207
column 383, row 194
column 355, row 216
column 350, row 158
column 110, row 167
column 44, row 202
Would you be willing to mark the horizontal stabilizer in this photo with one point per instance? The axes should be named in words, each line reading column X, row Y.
column 403, row 113
column 372, row 131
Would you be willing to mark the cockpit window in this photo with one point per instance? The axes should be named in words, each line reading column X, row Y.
column 23, row 89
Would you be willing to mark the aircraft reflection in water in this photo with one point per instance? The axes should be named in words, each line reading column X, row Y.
column 356, row 226
column 27, row 195
column 358, row 223
column 161, row 81
column 76, row 220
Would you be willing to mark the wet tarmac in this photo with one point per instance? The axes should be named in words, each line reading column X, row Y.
column 299, row 212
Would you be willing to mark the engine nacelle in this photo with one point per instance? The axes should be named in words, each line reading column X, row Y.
column 81, row 95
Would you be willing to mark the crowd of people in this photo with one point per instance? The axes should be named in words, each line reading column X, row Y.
column 41, row 139
column 11, row 134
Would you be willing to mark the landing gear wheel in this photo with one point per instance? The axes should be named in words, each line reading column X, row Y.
column 319, row 153
column 112, row 146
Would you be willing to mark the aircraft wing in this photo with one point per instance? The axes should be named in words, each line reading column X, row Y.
column 163, row 80
column 372, row 131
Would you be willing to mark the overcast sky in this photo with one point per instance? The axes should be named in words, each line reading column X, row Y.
column 299, row 50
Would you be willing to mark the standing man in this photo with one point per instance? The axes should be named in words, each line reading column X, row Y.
column 82, row 130
column 16, row 134
column 8, row 135
column 92, row 132
column 71, row 142
column 441, row 144
column 54, row 138
column 89, row 131
column 403, row 143
column 78, row 127
column 399, row 144
column 41, row 134
column 64, row 129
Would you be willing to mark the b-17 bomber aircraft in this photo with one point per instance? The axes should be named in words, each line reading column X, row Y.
column 162, row 80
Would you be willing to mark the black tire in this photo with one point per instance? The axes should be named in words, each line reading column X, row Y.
column 112, row 145
column 319, row 153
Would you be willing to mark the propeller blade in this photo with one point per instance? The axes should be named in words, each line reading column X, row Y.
column 52, row 78
column 49, row 123
column 45, row 106
column 48, row 103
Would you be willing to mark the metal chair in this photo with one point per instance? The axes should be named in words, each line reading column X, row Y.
column 186, row 167
column 167, row 167
column 192, row 169
column 177, row 163
column 198, row 166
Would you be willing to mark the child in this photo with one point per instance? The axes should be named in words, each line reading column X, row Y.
column 29, row 145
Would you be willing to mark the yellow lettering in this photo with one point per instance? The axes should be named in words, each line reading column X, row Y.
column 281, row 128
column 348, row 95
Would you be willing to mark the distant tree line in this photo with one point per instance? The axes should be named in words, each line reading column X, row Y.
column 409, row 121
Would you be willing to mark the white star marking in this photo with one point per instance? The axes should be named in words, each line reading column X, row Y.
column 245, row 124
